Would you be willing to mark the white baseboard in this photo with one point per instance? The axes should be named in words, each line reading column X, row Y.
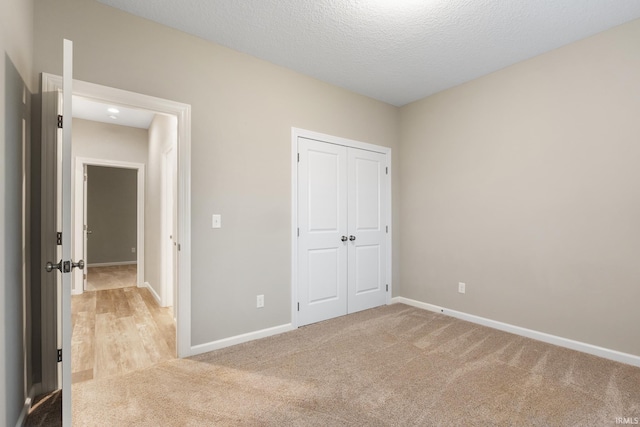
column 27, row 404
column 111, row 264
column 606, row 353
column 153, row 292
column 239, row 339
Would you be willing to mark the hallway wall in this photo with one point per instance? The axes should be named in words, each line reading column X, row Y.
column 163, row 133
column 112, row 202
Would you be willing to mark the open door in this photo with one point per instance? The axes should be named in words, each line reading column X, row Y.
column 56, row 234
column 85, row 225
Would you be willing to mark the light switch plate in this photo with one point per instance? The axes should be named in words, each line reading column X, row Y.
column 216, row 221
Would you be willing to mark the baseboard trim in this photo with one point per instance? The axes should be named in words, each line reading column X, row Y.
column 22, row 419
column 153, row 292
column 606, row 353
column 111, row 264
column 239, row 339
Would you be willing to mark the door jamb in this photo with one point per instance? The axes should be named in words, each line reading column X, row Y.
column 79, row 219
column 51, row 83
column 302, row 133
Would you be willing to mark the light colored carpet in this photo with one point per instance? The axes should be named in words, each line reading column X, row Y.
column 390, row 366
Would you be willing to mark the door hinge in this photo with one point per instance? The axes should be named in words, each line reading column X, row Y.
column 59, row 239
column 387, row 228
column 59, row 355
column 298, row 157
column 85, row 177
column 298, row 306
column 387, row 288
column 386, row 170
column 178, row 247
column 298, row 231
column 59, row 121
column 84, row 277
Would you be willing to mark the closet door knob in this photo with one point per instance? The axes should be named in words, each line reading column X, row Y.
column 352, row 238
column 343, row 238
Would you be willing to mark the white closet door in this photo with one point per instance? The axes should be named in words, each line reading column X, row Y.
column 322, row 222
column 366, row 224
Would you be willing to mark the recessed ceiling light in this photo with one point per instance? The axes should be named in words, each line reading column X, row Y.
column 113, row 117
column 113, row 110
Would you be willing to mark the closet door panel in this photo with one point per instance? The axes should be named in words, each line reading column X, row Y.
column 366, row 214
column 322, row 221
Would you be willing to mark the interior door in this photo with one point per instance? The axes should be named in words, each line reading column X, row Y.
column 86, row 231
column 322, row 222
column 67, row 209
column 367, row 229
column 56, row 234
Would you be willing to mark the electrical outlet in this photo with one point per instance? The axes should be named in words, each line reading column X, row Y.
column 133, row 250
column 260, row 301
column 461, row 287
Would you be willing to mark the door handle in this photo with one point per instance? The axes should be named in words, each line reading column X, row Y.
column 343, row 238
column 59, row 266
column 352, row 238
column 50, row 266
column 89, row 232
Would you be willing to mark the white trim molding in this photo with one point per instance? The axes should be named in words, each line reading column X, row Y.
column 239, row 339
column 35, row 390
column 153, row 291
column 594, row 350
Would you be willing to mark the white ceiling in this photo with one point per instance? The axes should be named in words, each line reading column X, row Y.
column 396, row 51
column 83, row 108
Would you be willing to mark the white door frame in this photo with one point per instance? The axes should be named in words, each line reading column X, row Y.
column 295, row 134
column 79, row 202
column 183, row 113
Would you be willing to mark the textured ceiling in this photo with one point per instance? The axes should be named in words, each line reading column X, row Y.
column 396, row 51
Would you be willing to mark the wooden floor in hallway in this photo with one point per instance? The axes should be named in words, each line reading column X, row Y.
column 117, row 331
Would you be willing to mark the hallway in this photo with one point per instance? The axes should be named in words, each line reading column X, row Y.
column 117, row 331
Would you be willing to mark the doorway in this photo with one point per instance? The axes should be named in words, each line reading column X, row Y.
column 129, row 249
column 55, row 331
column 120, row 322
column 110, row 227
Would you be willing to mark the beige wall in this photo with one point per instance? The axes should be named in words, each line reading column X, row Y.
column 104, row 141
column 524, row 185
column 16, row 66
column 242, row 113
column 163, row 133
column 112, row 207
